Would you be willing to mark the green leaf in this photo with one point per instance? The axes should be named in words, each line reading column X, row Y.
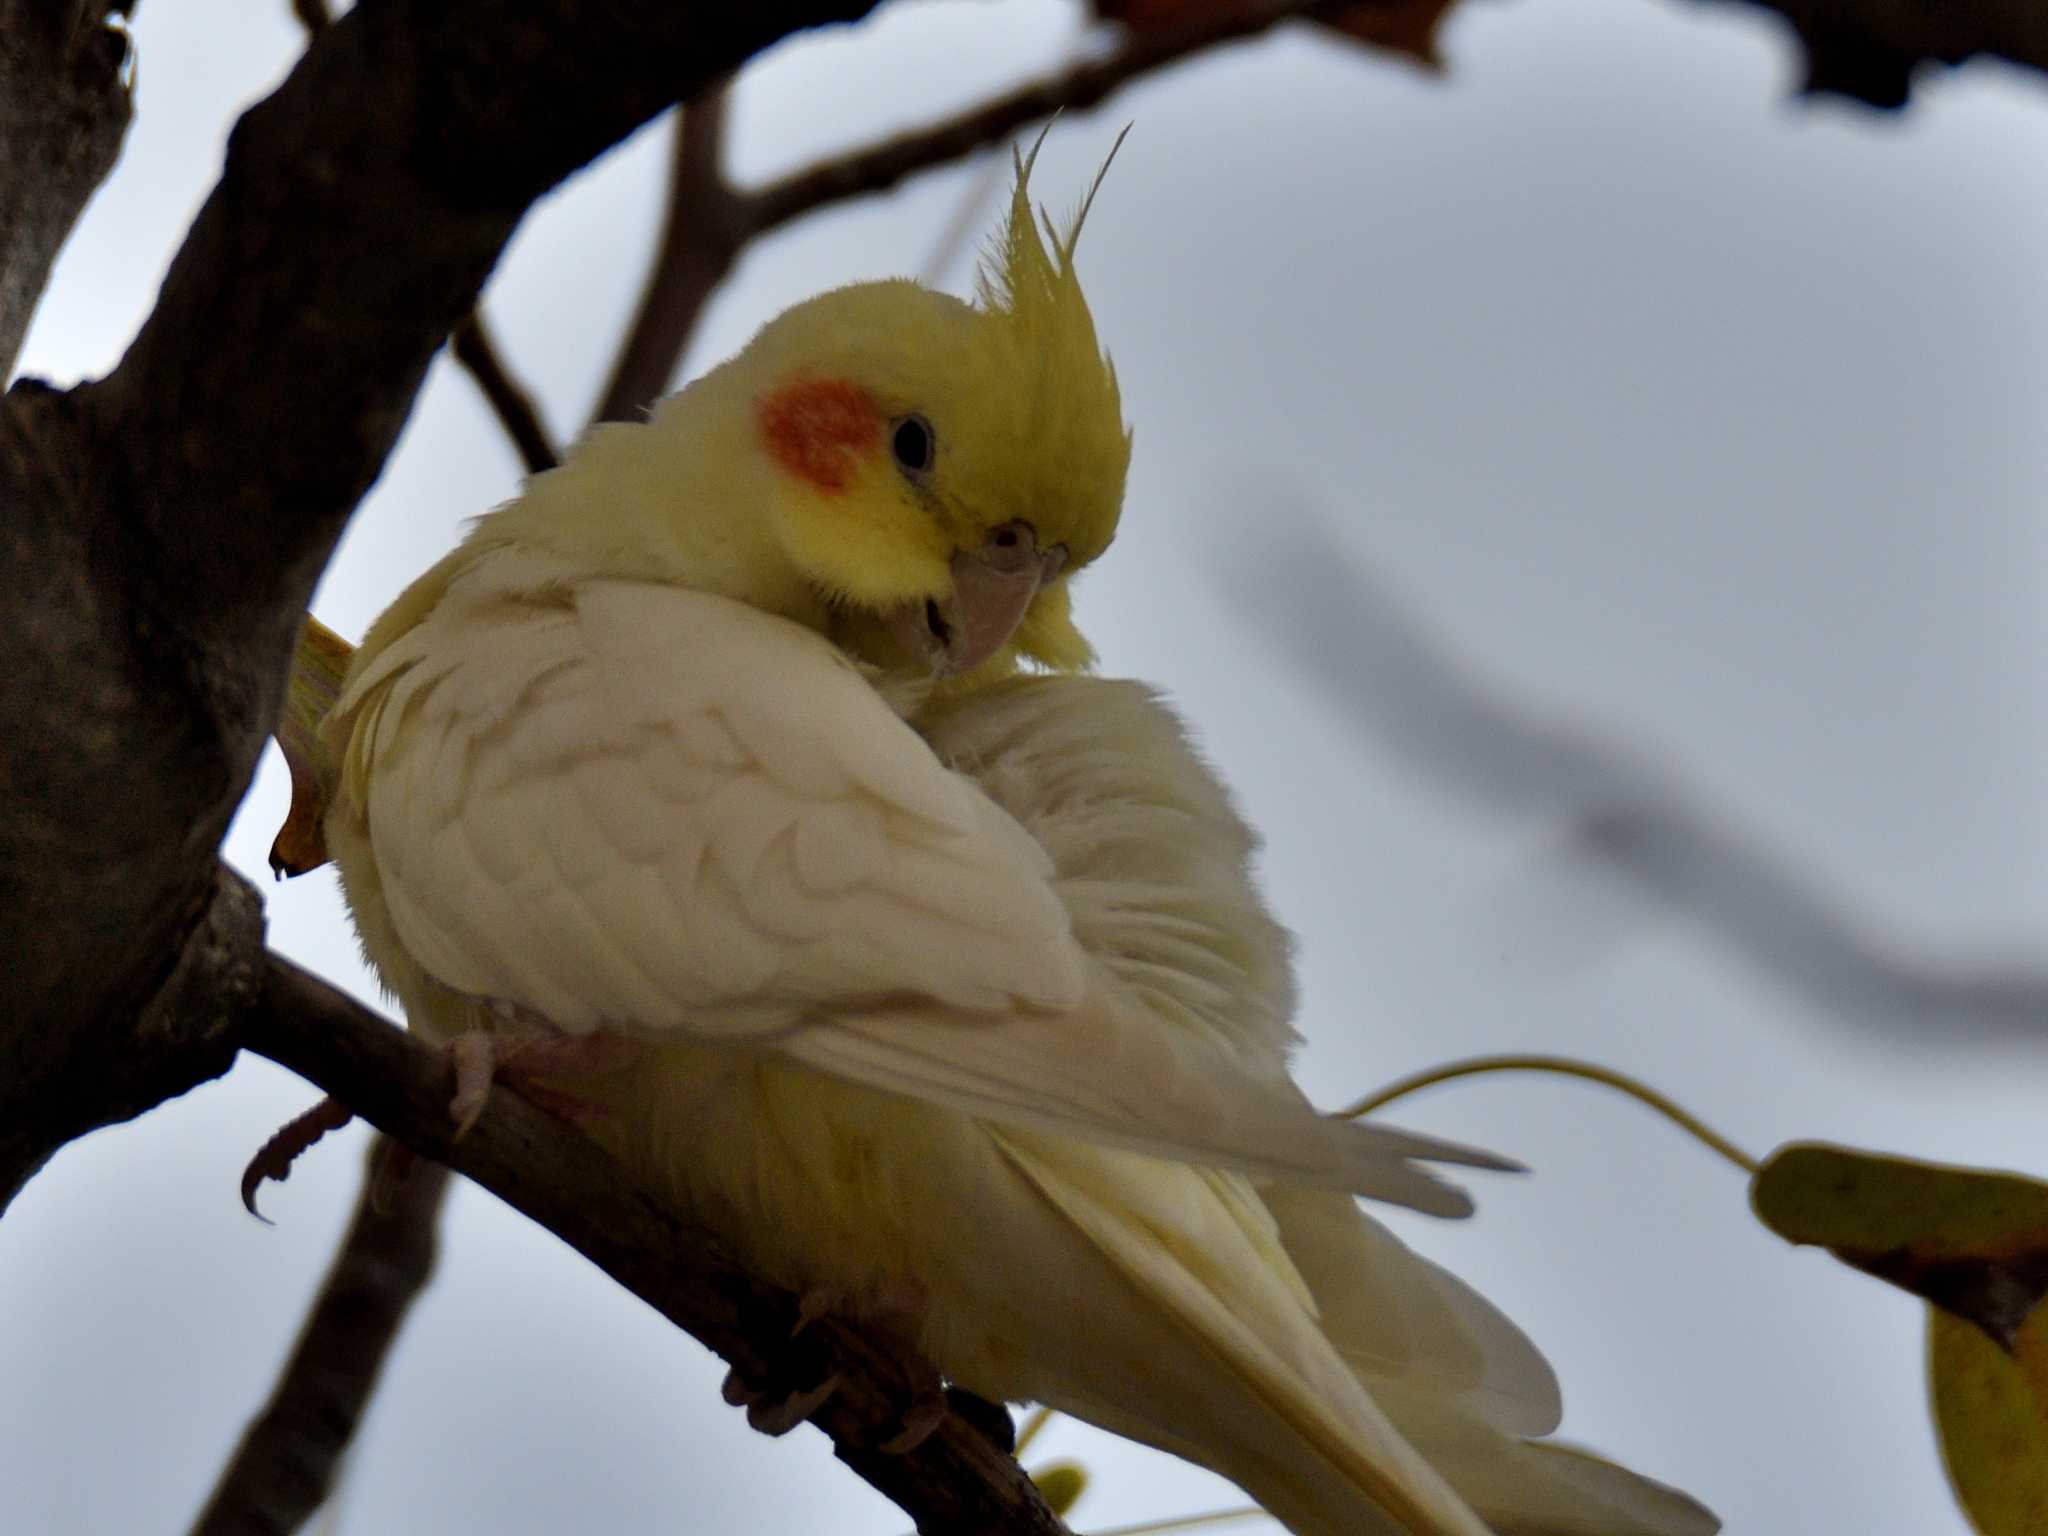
column 1973, row 1242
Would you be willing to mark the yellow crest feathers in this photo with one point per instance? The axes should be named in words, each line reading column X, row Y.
column 1020, row 276
column 1050, row 359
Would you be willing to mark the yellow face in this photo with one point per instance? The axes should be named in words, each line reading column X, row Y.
column 939, row 472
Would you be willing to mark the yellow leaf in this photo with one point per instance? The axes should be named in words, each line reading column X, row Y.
column 1061, row 1485
column 1991, row 1409
column 1973, row 1242
column 318, row 665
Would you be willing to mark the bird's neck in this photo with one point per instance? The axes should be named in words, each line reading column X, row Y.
column 678, row 500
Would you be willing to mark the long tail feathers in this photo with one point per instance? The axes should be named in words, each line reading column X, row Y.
column 1462, row 1383
column 1379, row 1393
column 1259, row 1327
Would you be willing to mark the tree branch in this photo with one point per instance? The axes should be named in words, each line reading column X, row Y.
column 955, row 1484
column 702, row 232
column 1871, row 49
column 472, row 344
column 1624, row 814
column 508, row 399
column 880, row 166
column 708, row 223
column 64, row 109
column 321, row 338
column 161, row 529
column 285, row 1465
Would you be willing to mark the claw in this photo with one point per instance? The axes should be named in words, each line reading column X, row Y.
column 775, row 1404
column 779, row 1418
column 474, row 1055
column 274, row 1159
column 927, row 1411
column 771, row 1410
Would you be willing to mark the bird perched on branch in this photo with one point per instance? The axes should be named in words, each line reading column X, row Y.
column 753, row 743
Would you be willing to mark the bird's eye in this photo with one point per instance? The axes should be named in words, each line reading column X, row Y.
column 912, row 442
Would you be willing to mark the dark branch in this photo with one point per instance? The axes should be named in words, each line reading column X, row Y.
column 64, row 108
column 508, row 399
column 1624, row 814
column 881, row 166
column 707, row 223
column 1871, row 49
column 285, row 1465
column 701, row 233
column 394, row 219
column 160, row 530
column 956, row 1484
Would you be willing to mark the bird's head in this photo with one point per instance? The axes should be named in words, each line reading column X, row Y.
column 938, row 469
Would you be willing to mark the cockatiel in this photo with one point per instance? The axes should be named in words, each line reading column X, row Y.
column 754, row 736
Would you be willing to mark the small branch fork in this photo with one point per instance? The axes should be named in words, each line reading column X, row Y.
column 476, row 350
column 702, row 234
column 709, row 222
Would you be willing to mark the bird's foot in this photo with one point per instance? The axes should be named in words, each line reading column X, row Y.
column 925, row 1412
column 791, row 1381
column 772, row 1410
column 896, row 1310
column 528, row 1057
column 531, row 1059
column 274, row 1159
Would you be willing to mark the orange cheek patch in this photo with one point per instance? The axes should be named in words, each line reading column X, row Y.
column 820, row 429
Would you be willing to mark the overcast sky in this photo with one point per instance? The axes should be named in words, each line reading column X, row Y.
column 1594, row 426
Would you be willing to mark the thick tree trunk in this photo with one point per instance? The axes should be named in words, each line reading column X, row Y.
column 163, row 527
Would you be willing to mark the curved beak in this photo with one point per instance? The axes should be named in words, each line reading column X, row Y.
column 992, row 586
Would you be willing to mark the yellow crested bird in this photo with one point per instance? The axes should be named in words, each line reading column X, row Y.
column 754, row 738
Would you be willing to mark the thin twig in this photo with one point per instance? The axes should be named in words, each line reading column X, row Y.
column 965, row 221
column 1559, row 1066
column 284, row 1467
column 473, row 347
column 955, row 1483
column 702, row 233
column 1622, row 811
column 708, row 223
column 1186, row 1522
column 880, row 166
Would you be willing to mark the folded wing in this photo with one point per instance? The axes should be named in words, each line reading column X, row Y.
column 636, row 807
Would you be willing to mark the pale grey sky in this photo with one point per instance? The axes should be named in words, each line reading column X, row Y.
column 1675, row 412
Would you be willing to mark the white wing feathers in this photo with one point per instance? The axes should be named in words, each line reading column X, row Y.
column 1110, row 1073
column 659, row 809
column 637, row 807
